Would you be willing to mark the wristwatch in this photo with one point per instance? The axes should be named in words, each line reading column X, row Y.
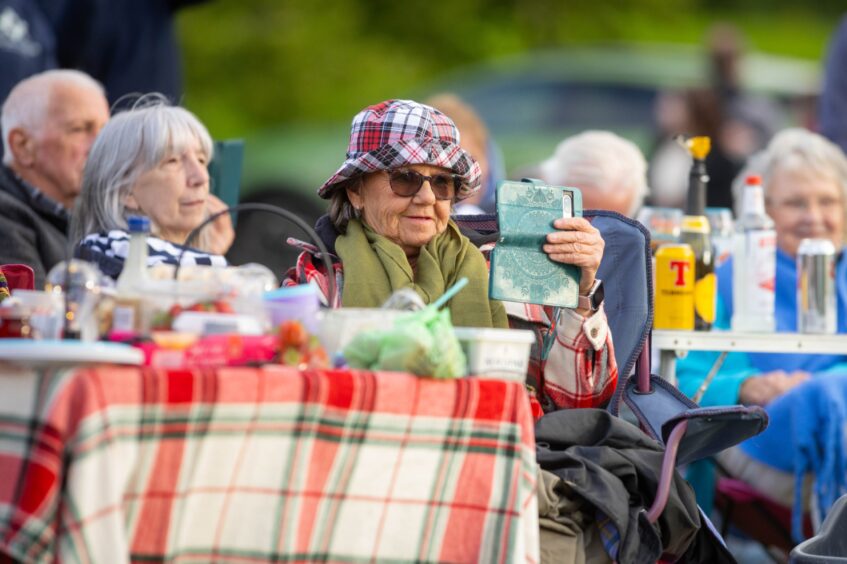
column 594, row 298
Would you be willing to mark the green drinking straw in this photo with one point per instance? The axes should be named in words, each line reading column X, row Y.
column 451, row 291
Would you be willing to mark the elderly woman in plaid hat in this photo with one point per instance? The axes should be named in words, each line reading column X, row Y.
column 389, row 227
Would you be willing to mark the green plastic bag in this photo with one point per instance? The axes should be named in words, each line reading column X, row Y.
column 421, row 342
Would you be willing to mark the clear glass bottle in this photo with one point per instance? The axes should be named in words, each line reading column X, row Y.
column 129, row 288
column 723, row 228
column 695, row 231
column 753, row 263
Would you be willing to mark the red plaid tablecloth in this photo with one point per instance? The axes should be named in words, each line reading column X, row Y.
column 249, row 465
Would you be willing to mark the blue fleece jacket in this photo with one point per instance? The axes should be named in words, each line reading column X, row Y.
column 807, row 424
column 739, row 366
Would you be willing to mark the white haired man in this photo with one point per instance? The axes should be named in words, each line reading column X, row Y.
column 49, row 122
column 609, row 170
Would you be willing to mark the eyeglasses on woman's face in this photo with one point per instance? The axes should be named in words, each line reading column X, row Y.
column 407, row 183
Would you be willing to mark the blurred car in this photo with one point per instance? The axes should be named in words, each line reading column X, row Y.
column 530, row 102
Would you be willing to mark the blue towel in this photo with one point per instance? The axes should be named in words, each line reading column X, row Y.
column 806, row 424
column 807, row 434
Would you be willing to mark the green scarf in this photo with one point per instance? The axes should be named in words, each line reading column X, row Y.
column 374, row 267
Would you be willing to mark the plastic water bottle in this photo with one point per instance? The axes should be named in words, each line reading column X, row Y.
column 754, row 263
column 722, row 227
column 133, row 279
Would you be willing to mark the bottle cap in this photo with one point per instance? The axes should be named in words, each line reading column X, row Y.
column 699, row 147
column 138, row 224
column 753, row 179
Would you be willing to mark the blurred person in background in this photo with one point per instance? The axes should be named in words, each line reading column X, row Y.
column 737, row 122
column 150, row 160
column 833, row 102
column 129, row 46
column 609, row 170
column 683, row 114
column 804, row 178
column 669, row 164
column 389, row 227
column 726, row 47
column 49, row 122
column 476, row 140
column 27, row 43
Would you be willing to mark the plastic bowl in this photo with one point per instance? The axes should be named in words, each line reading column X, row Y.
column 175, row 340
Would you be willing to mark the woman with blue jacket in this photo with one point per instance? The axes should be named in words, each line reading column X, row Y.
column 805, row 183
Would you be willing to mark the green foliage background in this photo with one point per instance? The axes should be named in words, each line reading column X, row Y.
column 253, row 64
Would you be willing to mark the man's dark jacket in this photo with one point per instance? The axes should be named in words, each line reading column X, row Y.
column 30, row 232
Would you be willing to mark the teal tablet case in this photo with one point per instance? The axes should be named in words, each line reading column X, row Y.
column 520, row 270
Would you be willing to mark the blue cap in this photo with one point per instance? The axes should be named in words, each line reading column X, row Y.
column 138, row 224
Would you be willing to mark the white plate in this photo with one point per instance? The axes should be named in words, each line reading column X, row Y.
column 43, row 353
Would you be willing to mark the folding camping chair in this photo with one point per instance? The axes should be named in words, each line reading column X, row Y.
column 687, row 431
column 763, row 520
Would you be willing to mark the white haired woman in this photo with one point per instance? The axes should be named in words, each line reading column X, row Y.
column 150, row 160
column 804, row 177
column 609, row 170
column 389, row 227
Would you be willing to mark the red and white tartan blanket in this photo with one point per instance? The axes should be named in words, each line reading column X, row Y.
column 251, row 465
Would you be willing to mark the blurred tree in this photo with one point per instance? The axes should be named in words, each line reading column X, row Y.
column 249, row 65
column 289, row 74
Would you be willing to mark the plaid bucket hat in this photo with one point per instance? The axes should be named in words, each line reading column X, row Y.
column 403, row 132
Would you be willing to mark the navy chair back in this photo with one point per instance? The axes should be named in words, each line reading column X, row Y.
column 626, row 271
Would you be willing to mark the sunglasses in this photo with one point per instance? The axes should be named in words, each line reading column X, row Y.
column 407, row 183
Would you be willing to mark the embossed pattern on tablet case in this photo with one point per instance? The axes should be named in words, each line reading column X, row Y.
column 520, row 270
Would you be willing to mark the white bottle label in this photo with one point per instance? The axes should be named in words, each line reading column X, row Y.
column 761, row 271
column 123, row 318
column 722, row 248
column 754, row 280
